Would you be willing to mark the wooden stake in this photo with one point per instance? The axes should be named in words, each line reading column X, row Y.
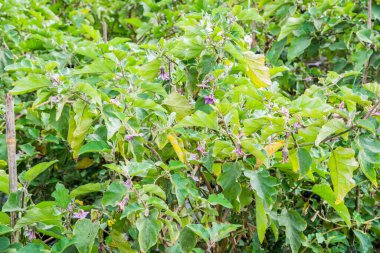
column 12, row 165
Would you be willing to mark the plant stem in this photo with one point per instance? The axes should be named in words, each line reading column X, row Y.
column 12, row 165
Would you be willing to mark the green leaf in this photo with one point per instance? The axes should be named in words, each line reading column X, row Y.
column 369, row 156
column 29, row 84
column 200, row 119
column 250, row 14
column 294, row 226
column 255, row 149
column 116, row 192
column 94, row 147
column 61, row 196
column 85, row 189
column 228, row 180
column 220, row 231
column 150, row 70
column 261, row 218
column 36, row 170
column 149, row 229
column 365, row 35
column 85, row 233
column 120, row 242
column 342, row 164
column 263, row 184
column 219, row 199
column 98, row 66
column 331, row 127
column 154, row 189
column 301, row 161
column 45, row 214
column 14, row 202
column 187, row 240
column 373, row 87
column 188, row 47
column 298, row 46
column 290, row 25
column 200, row 231
column 4, row 229
column 80, row 123
column 177, row 103
column 327, row 194
column 364, row 241
column 4, row 182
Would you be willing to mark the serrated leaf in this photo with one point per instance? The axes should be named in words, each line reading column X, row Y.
column 327, row 194
column 294, row 226
column 342, row 164
column 220, row 231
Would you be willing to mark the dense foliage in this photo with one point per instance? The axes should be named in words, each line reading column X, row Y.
column 192, row 126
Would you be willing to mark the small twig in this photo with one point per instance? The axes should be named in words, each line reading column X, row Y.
column 104, row 30
column 153, row 151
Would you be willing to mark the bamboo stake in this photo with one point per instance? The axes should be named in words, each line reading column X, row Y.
column 12, row 165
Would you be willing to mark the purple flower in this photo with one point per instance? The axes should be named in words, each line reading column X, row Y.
column 81, row 214
column 210, row 99
column 163, row 75
column 285, row 111
column 115, row 102
column 341, row 105
column 201, row 149
column 30, row 234
column 54, row 99
column 239, row 151
column 130, row 137
column 128, row 183
column 308, row 79
column 121, row 204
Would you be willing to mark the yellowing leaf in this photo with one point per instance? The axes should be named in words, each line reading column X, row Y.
column 84, row 163
column 271, row 149
column 181, row 153
column 256, row 69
